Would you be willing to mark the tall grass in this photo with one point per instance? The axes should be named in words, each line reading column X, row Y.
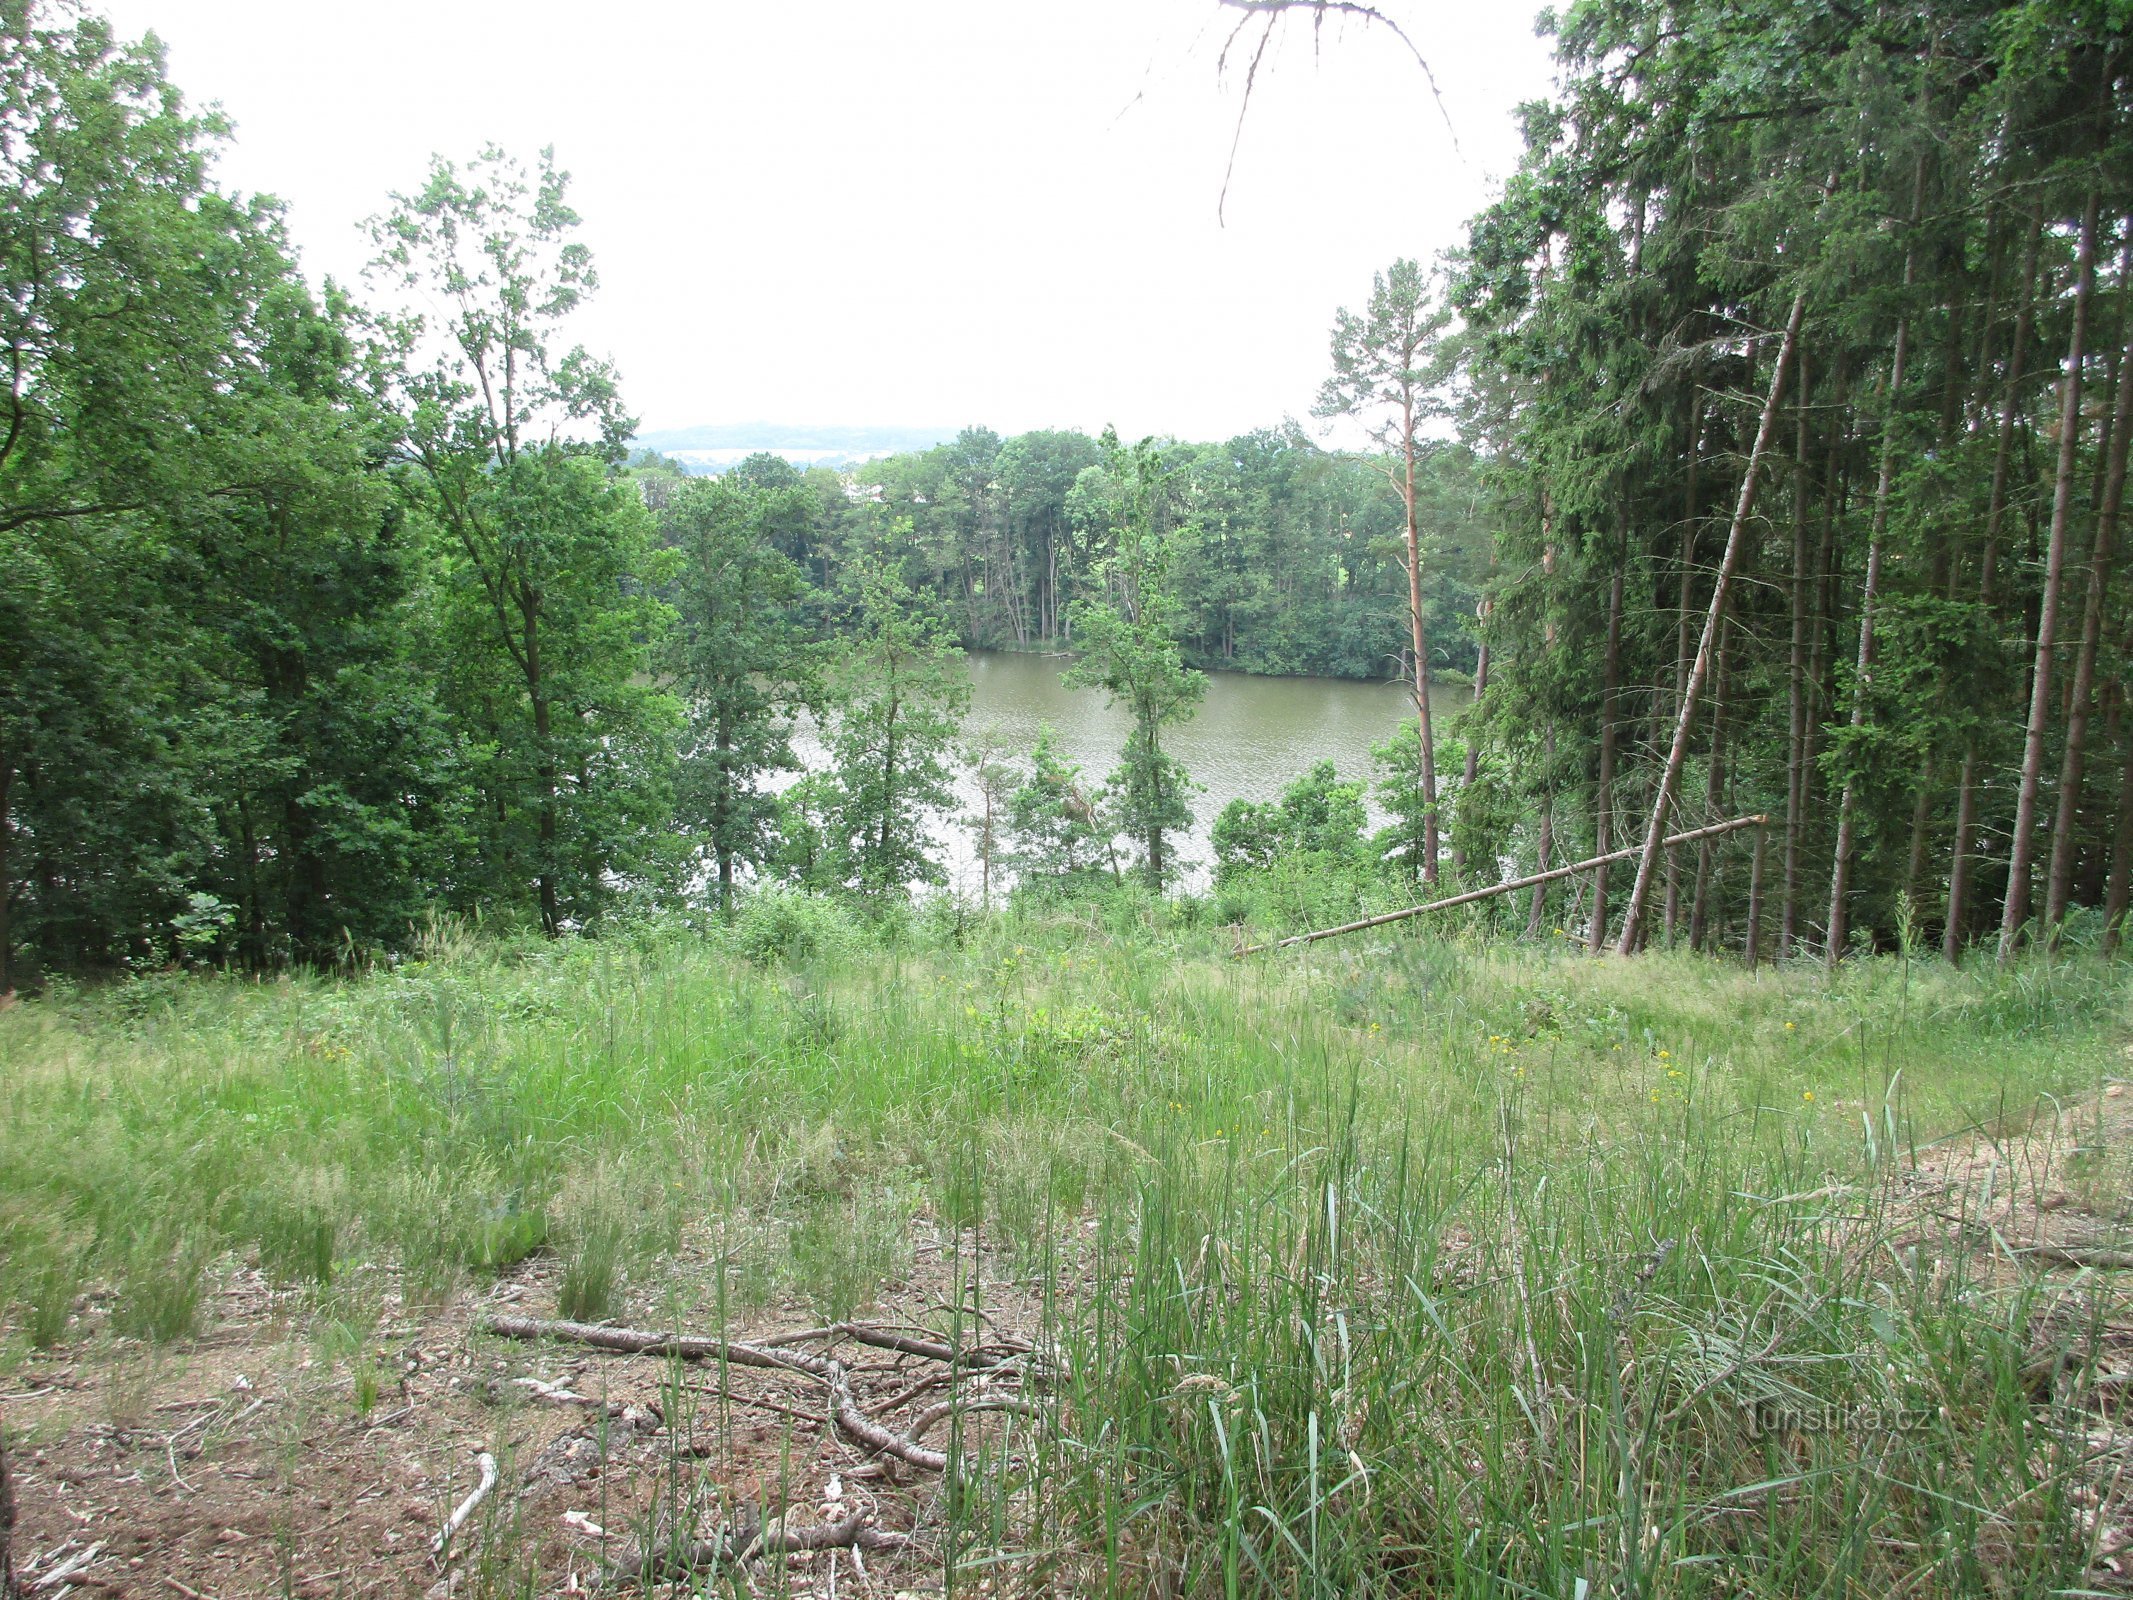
column 1424, row 1265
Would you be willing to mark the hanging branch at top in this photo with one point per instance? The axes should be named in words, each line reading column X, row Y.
column 1736, row 540
column 1270, row 13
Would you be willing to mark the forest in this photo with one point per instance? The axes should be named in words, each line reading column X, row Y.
column 501, row 1096
column 323, row 615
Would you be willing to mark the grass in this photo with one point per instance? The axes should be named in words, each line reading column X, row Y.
column 1427, row 1264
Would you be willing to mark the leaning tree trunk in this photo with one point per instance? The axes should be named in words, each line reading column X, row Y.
column 2022, row 853
column 2059, row 879
column 1736, row 540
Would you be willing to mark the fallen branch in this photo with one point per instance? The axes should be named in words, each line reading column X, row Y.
column 675, row 1558
column 852, row 1421
column 466, row 1508
column 941, row 1410
column 2081, row 1255
column 1494, row 889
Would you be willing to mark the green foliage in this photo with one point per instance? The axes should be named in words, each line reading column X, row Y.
column 1130, row 649
column 1056, row 834
column 1318, row 818
column 746, row 661
column 900, row 697
column 545, row 563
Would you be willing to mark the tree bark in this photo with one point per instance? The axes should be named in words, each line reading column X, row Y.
column 7, row 875
column 2059, row 879
column 1421, row 649
column 1686, row 562
column 1713, row 793
column 1736, row 540
column 2021, row 855
column 1960, row 862
column 1603, row 803
column 1796, row 680
column 2118, row 888
column 1862, row 679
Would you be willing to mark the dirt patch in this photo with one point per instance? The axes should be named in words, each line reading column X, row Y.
column 242, row 1463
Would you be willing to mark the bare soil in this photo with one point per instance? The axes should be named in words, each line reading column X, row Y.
column 239, row 1463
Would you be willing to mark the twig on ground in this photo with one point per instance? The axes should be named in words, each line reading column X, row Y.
column 441, row 1545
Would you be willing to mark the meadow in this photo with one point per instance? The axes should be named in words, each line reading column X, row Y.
column 1415, row 1264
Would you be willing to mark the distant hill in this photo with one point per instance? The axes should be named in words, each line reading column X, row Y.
column 713, row 447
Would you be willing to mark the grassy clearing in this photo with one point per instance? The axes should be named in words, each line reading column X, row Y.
column 1428, row 1265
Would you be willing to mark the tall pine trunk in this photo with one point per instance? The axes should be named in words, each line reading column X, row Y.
column 1862, row 679
column 1603, row 803
column 1961, row 861
column 1796, row 687
column 2021, row 856
column 2059, row 879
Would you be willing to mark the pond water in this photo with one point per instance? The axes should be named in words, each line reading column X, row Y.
column 1251, row 738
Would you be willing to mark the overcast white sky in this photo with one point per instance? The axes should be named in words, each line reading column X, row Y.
column 857, row 212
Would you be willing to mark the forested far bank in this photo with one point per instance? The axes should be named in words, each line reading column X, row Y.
column 1289, row 558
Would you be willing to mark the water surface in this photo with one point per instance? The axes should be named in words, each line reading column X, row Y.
column 1250, row 739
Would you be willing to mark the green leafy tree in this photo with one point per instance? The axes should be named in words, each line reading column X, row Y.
column 1129, row 640
column 206, row 687
column 549, row 560
column 901, row 694
column 1318, row 817
column 1054, row 829
column 746, row 662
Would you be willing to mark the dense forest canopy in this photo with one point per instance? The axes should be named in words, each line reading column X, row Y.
column 1761, row 450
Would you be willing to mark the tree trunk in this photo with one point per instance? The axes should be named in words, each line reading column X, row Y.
column 1736, row 540
column 1603, row 800
column 722, row 816
column 1960, row 863
column 544, row 772
column 1713, row 793
column 2059, row 880
column 7, row 875
column 1472, row 768
column 2021, row 855
column 1754, row 941
column 1537, row 910
column 1796, row 682
column 1687, row 565
column 1862, row 678
column 1421, row 648
column 2118, row 888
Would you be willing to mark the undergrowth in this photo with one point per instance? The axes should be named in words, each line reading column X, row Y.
column 1422, row 1264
